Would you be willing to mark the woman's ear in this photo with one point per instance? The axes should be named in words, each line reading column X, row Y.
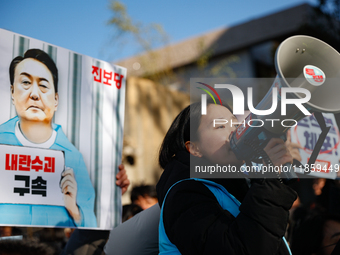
column 193, row 149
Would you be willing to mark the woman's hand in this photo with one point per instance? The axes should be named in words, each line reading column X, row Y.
column 278, row 152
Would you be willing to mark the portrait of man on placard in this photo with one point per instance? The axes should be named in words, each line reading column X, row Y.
column 34, row 93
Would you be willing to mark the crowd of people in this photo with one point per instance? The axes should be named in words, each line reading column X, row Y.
column 219, row 216
column 181, row 215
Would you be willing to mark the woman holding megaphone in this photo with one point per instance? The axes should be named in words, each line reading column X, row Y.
column 218, row 216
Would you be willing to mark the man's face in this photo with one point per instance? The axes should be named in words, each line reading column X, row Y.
column 33, row 92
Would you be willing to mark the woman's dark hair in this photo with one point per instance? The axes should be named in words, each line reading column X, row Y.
column 42, row 57
column 179, row 132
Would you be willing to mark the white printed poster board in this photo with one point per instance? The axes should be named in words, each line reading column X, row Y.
column 61, row 133
column 32, row 175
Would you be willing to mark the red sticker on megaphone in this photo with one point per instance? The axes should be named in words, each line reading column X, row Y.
column 314, row 75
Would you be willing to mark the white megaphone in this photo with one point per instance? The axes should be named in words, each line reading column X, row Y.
column 303, row 64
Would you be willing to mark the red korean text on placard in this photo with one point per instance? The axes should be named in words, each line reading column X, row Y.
column 37, row 164
column 107, row 78
column 19, row 162
column 24, row 162
column 49, row 165
column 118, row 80
column 11, row 162
column 97, row 74
column 102, row 76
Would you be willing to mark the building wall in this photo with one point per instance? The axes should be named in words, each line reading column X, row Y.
column 236, row 65
column 149, row 111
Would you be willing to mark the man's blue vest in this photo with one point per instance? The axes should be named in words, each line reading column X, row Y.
column 225, row 199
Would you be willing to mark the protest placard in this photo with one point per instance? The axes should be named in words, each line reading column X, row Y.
column 306, row 134
column 61, row 131
column 31, row 176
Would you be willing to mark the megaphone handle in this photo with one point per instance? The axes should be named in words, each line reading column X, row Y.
column 287, row 174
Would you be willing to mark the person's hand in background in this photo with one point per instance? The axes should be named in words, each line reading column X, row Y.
column 122, row 179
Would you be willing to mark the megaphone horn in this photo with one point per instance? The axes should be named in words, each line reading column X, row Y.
column 308, row 63
column 303, row 63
